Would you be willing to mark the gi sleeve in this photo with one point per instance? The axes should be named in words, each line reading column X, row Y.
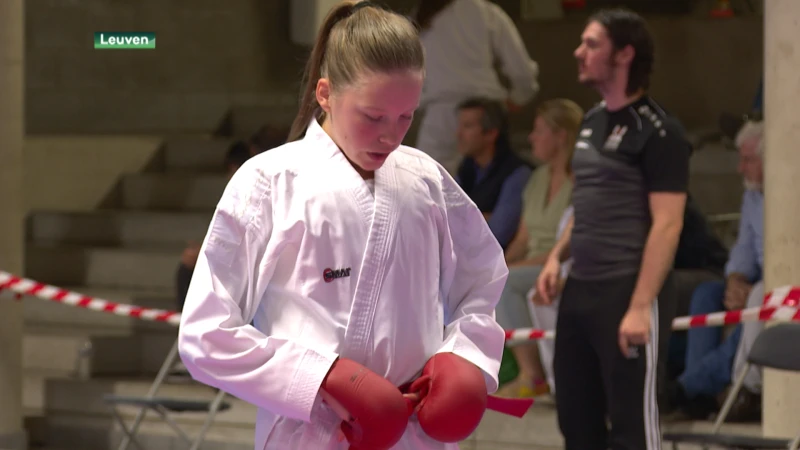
column 511, row 53
column 474, row 273
column 216, row 341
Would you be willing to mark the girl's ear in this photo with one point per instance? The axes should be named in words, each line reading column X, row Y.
column 324, row 94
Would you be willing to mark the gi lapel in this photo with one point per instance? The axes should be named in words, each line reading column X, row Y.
column 358, row 337
column 338, row 164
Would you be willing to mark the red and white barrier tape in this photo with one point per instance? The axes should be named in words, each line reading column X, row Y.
column 782, row 304
column 528, row 334
column 757, row 314
column 783, row 296
column 24, row 286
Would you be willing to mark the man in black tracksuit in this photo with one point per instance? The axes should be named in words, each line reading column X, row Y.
column 631, row 166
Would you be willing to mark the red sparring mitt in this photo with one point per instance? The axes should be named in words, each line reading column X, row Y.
column 452, row 393
column 378, row 413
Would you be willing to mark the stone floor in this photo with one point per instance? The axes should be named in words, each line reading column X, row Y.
column 538, row 430
column 75, row 416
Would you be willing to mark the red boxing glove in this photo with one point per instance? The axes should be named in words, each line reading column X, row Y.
column 452, row 394
column 376, row 414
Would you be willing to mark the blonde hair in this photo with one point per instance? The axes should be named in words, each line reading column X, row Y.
column 355, row 38
column 563, row 114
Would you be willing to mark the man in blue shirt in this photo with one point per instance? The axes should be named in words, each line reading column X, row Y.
column 709, row 355
column 491, row 173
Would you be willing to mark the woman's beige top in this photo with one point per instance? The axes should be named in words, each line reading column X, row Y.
column 540, row 218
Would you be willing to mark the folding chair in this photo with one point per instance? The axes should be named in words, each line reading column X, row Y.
column 164, row 406
column 774, row 348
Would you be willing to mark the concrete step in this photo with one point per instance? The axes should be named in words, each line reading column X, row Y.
column 87, row 432
column 56, row 352
column 86, row 397
column 117, row 228
column 46, row 314
column 175, row 192
column 88, row 353
column 33, row 388
column 196, row 153
column 111, row 267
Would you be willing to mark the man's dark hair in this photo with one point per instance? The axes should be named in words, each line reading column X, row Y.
column 624, row 28
column 494, row 117
column 238, row 154
column 494, row 113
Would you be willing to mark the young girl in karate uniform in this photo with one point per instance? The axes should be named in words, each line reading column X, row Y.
column 359, row 261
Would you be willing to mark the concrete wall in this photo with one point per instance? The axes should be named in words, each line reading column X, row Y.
column 214, row 54
column 79, row 173
column 210, row 54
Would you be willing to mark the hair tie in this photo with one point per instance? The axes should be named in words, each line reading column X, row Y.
column 361, row 4
column 367, row 4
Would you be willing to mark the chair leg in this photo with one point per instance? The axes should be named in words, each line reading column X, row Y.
column 795, row 445
column 212, row 413
column 162, row 374
column 129, row 432
column 726, row 407
column 172, row 424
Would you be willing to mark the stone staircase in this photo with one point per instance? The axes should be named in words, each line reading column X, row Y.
column 128, row 253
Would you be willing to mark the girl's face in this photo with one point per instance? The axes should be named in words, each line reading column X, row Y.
column 370, row 119
column 546, row 141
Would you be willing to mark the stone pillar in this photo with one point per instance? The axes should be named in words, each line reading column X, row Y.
column 782, row 203
column 12, row 95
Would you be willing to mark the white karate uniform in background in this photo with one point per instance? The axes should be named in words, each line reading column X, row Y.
column 461, row 46
column 424, row 272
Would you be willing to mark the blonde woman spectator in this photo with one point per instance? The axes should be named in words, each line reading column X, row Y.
column 546, row 197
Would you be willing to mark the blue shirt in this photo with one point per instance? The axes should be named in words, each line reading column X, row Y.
column 747, row 254
column 505, row 217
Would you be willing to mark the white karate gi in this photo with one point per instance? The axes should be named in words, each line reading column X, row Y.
column 462, row 44
column 414, row 270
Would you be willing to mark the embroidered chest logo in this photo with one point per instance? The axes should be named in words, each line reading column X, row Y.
column 612, row 143
column 331, row 274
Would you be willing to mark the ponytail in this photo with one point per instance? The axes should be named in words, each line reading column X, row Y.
column 313, row 72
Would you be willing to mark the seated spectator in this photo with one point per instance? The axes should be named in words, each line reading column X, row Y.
column 237, row 154
column 710, row 354
column 491, row 173
column 699, row 258
column 544, row 316
column 546, row 198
